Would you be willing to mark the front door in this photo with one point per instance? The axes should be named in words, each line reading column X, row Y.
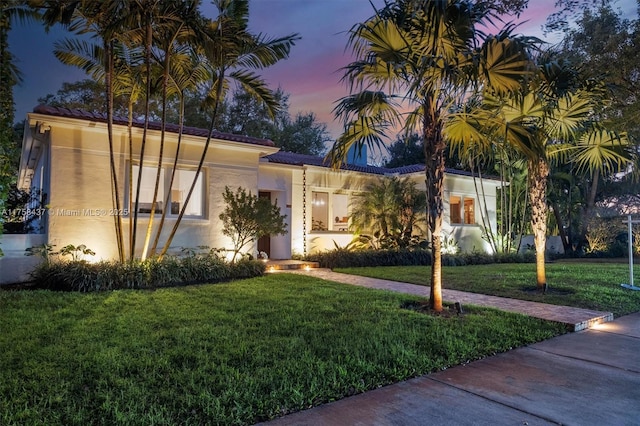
column 264, row 243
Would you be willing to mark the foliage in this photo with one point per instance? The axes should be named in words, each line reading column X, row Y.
column 450, row 245
column 196, row 266
column 584, row 284
column 44, row 251
column 405, row 151
column 353, row 256
column 156, row 50
column 77, row 253
column 602, row 233
column 247, row 217
column 10, row 12
column 553, row 119
column 23, row 211
column 598, row 37
column 240, row 353
column 389, row 211
column 413, row 60
column 86, row 95
column 345, row 257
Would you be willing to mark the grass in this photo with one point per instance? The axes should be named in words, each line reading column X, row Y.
column 234, row 353
column 589, row 285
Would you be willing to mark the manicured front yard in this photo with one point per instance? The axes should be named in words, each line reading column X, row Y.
column 233, row 353
column 590, row 285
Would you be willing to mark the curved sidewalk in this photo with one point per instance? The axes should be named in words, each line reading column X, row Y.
column 586, row 378
column 575, row 318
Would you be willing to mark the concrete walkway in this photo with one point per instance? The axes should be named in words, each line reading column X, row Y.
column 575, row 318
column 587, row 378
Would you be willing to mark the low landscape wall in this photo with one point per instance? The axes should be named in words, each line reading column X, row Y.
column 14, row 265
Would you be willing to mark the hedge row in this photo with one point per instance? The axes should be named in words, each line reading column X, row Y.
column 170, row 271
column 341, row 258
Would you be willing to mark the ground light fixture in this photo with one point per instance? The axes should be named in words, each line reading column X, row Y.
column 630, row 223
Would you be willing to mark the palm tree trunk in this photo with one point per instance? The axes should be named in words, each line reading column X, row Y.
column 108, row 50
column 147, row 60
column 434, row 149
column 172, row 179
column 538, row 174
column 203, row 156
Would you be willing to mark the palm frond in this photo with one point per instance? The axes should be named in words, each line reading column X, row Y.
column 258, row 89
column 603, row 150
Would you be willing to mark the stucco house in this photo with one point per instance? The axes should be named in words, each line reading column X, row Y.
column 65, row 155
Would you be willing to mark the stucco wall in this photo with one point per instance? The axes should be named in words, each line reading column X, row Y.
column 14, row 265
column 79, row 193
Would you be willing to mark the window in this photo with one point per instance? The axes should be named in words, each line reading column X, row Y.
column 319, row 211
column 469, row 211
column 462, row 210
column 329, row 212
column 181, row 184
column 454, row 207
column 147, row 186
column 340, row 212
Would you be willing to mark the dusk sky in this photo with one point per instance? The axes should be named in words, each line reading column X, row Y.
column 311, row 76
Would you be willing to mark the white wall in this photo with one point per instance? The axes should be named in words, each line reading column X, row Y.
column 14, row 265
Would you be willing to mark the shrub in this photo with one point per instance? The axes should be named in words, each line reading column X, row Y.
column 601, row 234
column 80, row 275
column 343, row 258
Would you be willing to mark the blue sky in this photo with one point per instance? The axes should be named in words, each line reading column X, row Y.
column 311, row 75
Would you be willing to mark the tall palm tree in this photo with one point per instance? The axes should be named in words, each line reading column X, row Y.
column 185, row 75
column 551, row 118
column 420, row 56
column 171, row 30
column 232, row 52
column 107, row 20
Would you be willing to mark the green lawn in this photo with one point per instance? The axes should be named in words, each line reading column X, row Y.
column 234, row 353
column 593, row 285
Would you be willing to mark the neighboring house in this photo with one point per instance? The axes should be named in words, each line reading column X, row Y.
column 65, row 154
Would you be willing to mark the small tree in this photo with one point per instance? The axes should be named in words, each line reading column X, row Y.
column 248, row 217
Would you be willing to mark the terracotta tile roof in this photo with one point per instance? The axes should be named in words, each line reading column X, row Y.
column 281, row 157
column 291, row 158
column 173, row 128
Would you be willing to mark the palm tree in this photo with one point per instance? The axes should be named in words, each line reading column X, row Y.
column 552, row 118
column 185, row 74
column 389, row 209
column 171, row 31
column 232, row 51
column 107, row 20
column 421, row 56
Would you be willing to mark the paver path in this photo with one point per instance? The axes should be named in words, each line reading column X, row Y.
column 575, row 318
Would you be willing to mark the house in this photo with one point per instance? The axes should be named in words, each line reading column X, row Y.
column 65, row 154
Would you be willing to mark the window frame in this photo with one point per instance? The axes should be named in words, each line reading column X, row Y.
column 331, row 225
column 167, row 170
column 463, row 216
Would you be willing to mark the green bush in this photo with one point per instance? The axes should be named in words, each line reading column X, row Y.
column 343, row 258
column 80, row 275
